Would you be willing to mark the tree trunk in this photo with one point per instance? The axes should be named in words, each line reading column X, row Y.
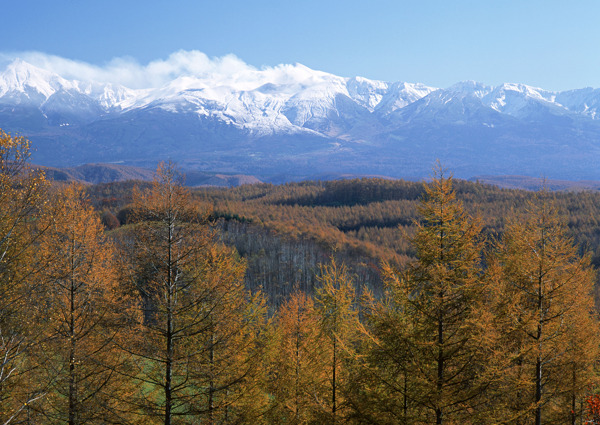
column 211, row 384
column 72, row 349
column 169, row 336
column 440, row 365
column 334, row 383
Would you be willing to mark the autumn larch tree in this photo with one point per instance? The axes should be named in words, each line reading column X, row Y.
column 298, row 363
column 383, row 373
column 335, row 306
column 195, row 351
column 81, row 311
column 544, row 310
column 23, row 195
column 442, row 343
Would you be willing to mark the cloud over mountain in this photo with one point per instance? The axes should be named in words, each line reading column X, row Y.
column 227, row 70
column 221, row 114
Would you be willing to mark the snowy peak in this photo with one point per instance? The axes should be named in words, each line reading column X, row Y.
column 521, row 101
column 289, row 99
column 107, row 95
column 366, row 93
column 292, row 119
column 22, row 77
column 470, row 88
column 582, row 101
column 286, row 98
column 22, row 82
column 515, row 100
column 401, row 95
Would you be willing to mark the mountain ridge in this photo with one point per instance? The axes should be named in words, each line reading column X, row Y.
column 300, row 121
column 109, row 173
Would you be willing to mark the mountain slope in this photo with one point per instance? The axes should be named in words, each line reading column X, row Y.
column 297, row 121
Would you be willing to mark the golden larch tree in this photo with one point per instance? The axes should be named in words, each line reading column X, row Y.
column 436, row 297
column 196, row 348
column 545, row 312
column 23, row 196
column 298, row 363
column 81, row 312
column 335, row 306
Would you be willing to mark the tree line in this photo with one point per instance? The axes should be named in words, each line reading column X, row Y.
column 153, row 322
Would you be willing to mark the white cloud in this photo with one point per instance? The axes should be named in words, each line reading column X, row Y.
column 225, row 70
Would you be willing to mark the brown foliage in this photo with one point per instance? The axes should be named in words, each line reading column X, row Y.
column 81, row 311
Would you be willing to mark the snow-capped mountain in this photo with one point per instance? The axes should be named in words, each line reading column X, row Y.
column 36, row 86
column 292, row 119
column 583, row 101
column 303, row 100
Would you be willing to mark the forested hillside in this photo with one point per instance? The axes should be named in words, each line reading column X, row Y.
column 358, row 302
column 285, row 231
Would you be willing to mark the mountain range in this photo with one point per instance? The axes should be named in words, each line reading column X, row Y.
column 291, row 122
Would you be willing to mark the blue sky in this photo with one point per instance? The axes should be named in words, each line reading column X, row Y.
column 550, row 44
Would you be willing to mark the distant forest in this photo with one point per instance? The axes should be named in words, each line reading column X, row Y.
column 364, row 301
column 285, row 231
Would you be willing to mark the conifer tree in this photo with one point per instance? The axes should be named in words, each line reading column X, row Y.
column 81, row 311
column 338, row 327
column 384, row 379
column 439, row 350
column 195, row 354
column 22, row 204
column 544, row 310
column 297, row 363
